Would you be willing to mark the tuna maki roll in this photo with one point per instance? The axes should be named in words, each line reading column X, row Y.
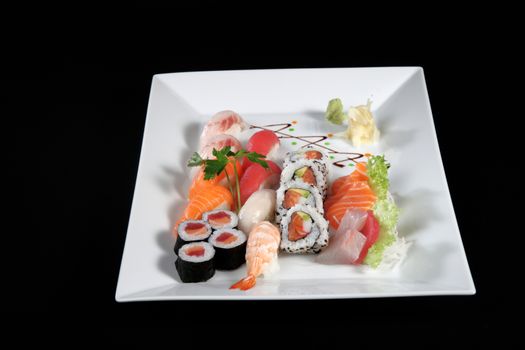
column 219, row 219
column 191, row 231
column 195, row 262
column 230, row 248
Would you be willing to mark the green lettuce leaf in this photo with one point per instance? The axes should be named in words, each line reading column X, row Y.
column 377, row 171
column 334, row 112
column 385, row 210
column 386, row 213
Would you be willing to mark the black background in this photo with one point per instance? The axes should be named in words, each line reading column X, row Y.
column 77, row 86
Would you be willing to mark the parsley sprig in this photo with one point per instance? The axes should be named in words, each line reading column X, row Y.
column 224, row 156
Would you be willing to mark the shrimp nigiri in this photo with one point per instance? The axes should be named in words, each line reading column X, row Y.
column 225, row 122
column 261, row 254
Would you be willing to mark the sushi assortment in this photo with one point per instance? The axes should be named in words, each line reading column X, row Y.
column 248, row 204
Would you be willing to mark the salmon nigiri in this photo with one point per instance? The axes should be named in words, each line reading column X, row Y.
column 199, row 184
column 214, row 197
column 261, row 254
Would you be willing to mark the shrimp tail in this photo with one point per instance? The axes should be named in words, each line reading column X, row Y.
column 245, row 284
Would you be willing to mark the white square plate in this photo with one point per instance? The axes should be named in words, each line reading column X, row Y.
column 181, row 103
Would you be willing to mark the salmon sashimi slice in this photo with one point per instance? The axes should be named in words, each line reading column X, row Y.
column 336, row 210
column 349, row 192
column 355, row 189
column 359, row 174
column 213, row 198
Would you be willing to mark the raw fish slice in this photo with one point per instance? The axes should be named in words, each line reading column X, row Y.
column 347, row 243
column 359, row 174
column 356, row 195
column 225, row 122
column 348, row 192
column 371, row 231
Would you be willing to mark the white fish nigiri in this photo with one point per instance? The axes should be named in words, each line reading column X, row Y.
column 225, row 122
column 259, row 207
column 261, row 254
column 347, row 243
column 218, row 142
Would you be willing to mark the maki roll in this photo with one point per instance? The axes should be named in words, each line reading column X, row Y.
column 303, row 230
column 297, row 192
column 307, row 153
column 195, row 262
column 230, row 248
column 311, row 172
column 219, row 219
column 191, row 231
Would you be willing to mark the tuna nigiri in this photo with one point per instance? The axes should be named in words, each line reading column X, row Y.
column 256, row 177
column 261, row 254
column 225, row 122
column 264, row 142
column 214, row 197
